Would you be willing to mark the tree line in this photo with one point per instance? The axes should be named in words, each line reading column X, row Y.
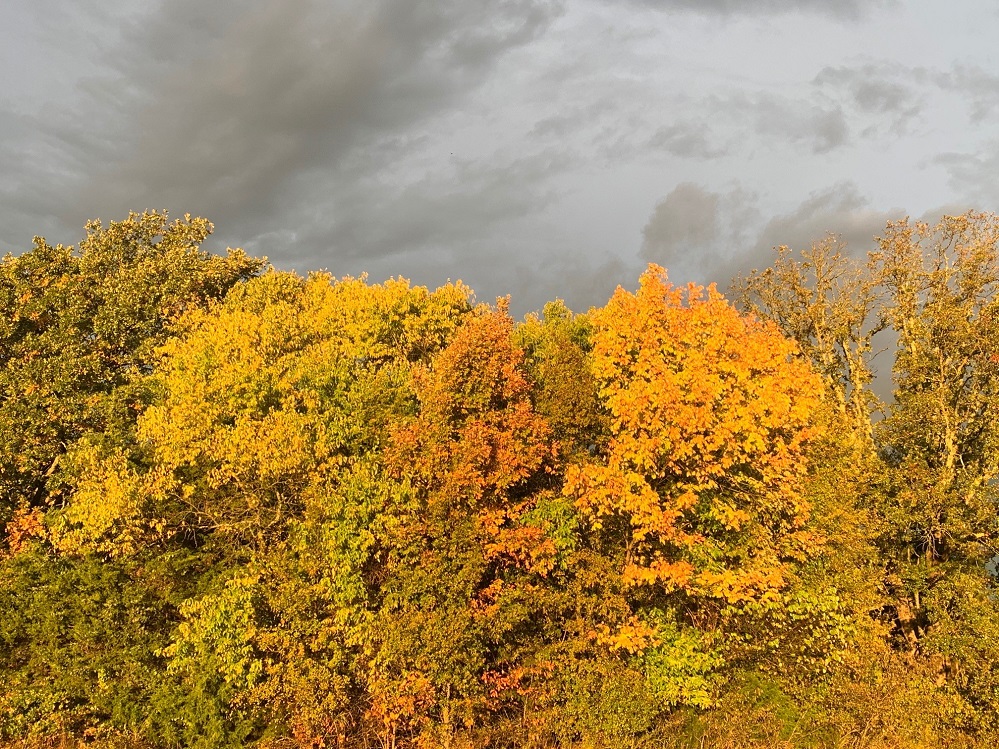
column 242, row 507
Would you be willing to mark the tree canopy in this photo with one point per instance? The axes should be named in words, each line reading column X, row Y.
column 241, row 507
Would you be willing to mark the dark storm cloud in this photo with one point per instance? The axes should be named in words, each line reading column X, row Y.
column 451, row 209
column 292, row 89
column 32, row 160
column 245, row 120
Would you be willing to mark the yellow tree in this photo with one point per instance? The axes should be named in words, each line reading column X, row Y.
column 260, row 460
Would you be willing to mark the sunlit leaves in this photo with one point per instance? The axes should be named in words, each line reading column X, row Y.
column 262, row 397
column 710, row 414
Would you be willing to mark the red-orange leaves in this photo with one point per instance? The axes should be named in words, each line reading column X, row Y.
column 26, row 526
column 710, row 413
column 512, row 542
column 477, row 434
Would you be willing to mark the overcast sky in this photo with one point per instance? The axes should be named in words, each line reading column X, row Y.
column 542, row 148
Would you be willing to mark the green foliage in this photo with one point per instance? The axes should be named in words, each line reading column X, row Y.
column 77, row 643
column 78, row 326
column 79, row 654
column 680, row 669
column 556, row 348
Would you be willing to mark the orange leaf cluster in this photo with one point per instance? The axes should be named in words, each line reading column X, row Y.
column 477, row 435
column 711, row 412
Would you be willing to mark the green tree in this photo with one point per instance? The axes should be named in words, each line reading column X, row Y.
column 557, row 349
column 78, row 326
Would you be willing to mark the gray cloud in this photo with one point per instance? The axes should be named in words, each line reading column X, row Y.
column 955, row 208
column 687, row 218
column 724, row 124
column 839, row 210
column 716, row 236
column 891, row 96
column 821, row 129
column 454, row 207
column 980, row 88
column 31, row 162
column 687, row 140
column 579, row 282
column 887, row 98
column 695, row 232
column 973, row 175
column 569, row 117
column 516, row 143
column 844, row 9
column 873, row 88
column 818, row 127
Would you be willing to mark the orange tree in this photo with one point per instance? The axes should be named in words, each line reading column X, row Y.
column 466, row 553
column 698, row 492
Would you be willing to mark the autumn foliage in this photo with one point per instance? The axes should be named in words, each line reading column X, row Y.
column 711, row 413
column 246, row 508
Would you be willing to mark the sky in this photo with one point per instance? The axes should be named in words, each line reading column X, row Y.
column 537, row 148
